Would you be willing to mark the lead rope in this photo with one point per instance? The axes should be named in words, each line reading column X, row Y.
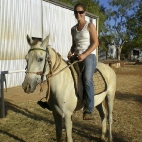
column 47, row 59
column 51, row 75
column 52, row 70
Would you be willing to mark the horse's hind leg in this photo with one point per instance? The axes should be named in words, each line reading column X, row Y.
column 110, row 100
column 58, row 124
column 102, row 113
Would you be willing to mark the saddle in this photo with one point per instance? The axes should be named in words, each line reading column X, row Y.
column 76, row 71
column 100, row 85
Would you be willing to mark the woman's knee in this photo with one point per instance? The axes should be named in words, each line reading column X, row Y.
column 88, row 81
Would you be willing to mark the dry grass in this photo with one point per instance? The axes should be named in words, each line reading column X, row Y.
column 27, row 122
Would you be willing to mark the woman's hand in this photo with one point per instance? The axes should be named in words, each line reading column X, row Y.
column 81, row 57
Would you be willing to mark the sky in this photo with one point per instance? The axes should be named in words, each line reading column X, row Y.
column 104, row 2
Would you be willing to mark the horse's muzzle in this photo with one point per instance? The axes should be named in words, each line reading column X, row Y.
column 28, row 89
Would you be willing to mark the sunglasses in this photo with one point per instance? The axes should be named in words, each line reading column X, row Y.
column 80, row 12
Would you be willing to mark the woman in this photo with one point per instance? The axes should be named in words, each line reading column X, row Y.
column 84, row 42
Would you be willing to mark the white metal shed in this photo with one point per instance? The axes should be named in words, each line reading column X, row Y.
column 37, row 18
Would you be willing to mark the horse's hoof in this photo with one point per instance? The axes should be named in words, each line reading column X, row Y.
column 110, row 139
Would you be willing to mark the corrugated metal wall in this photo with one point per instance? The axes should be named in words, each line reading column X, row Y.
column 36, row 18
column 58, row 22
column 17, row 18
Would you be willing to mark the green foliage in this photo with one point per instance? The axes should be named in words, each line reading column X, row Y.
column 134, row 27
column 93, row 7
column 69, row 2
column 120, row 22
column 117, row 16
column 105, row 40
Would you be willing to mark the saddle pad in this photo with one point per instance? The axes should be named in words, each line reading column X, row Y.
column 99, row 81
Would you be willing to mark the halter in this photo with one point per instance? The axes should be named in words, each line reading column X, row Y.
column 51, row 70
column 47, row 58
column 42, row 73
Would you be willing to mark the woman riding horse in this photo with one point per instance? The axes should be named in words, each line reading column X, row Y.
column 84, row 43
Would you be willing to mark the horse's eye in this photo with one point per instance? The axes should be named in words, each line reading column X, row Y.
column 40, row 59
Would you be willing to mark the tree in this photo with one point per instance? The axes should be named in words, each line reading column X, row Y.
column 134, row 27
column 69, row 2
column 93, row 7
column 116, row 23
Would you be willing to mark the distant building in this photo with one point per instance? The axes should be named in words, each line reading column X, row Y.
column 112, row 50
column 102, row 54
column 136, row 54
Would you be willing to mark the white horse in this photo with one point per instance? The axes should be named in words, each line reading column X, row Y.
column 63, row 99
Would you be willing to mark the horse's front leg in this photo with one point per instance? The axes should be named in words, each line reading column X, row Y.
column 68, row 125
column 58, row 124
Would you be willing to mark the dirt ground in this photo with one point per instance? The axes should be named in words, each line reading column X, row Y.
column 27, row 122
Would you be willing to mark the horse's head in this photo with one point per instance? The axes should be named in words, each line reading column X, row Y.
column 35, row 63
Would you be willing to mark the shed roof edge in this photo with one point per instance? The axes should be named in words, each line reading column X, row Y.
column 58, row 3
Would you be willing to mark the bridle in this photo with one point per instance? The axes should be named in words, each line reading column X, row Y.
column 42, row 73
column 51, row 69
column 47, row 59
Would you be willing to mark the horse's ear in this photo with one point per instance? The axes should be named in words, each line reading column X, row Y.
column 29, row 40
column 45, row 42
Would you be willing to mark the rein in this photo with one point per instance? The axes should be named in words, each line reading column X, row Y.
column 51, row 71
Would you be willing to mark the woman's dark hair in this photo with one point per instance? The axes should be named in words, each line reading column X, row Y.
column 81, row 5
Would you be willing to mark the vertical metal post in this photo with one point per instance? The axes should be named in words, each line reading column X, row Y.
column 97, row 28
column 2, row 95
column 42, row 17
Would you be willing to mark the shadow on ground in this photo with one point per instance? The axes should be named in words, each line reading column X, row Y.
column 81, row 129
column 128, row 97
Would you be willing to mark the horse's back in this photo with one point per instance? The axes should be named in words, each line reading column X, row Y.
column 110, row 78
column 107, row 72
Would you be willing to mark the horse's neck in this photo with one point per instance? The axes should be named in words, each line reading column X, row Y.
column 58, row 76
column 57, row 61
column 52, row 55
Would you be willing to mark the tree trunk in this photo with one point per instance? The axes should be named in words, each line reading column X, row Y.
column 119, row 53
column 120, row 48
